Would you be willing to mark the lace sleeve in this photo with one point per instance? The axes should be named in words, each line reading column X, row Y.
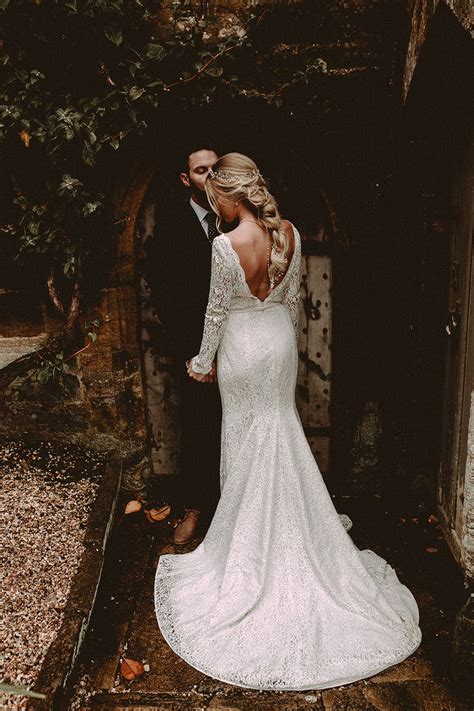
column 291, row 294
column 220, row 295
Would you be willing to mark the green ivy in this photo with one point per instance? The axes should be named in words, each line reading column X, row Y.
column 77, row 78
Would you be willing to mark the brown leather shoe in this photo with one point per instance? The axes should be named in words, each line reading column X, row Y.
column 186, row 529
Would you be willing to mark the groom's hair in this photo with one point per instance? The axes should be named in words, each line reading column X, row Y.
column 205, row 144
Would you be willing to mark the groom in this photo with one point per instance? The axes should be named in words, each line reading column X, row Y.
column 178, row 272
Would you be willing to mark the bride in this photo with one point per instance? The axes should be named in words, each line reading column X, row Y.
column 277, row 595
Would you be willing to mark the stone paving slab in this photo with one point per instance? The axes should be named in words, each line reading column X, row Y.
column 418, row 666
column 419, row 695
column 131, row 541
column 266, row 700
column 168, row 672
column 145, row 702
column 237, row 701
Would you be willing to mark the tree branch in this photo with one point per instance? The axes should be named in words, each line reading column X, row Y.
column 74, row 309
column 167, row 87
column 53, row 294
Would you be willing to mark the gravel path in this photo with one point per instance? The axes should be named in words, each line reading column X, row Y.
column 46, row 494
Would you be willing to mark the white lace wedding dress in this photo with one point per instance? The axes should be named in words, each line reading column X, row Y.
column 276, row 596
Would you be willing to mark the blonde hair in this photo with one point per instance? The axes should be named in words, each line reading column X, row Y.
column 234, row 178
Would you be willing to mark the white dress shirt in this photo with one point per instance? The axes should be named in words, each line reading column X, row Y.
column 201, row 213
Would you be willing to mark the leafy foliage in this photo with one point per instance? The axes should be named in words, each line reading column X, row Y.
column 78, row 79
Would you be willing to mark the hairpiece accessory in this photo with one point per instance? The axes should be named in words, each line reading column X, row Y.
column 229, row 177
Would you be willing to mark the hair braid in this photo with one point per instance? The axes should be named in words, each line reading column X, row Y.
column 269, row 217
column 236, row 177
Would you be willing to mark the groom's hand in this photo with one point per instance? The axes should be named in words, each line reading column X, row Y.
column 210, row 377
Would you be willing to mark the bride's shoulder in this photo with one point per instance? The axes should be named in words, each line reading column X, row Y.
column 221, row 246
column 291, row 231
column 225, row 247
column 237, row 239
column 221, row 240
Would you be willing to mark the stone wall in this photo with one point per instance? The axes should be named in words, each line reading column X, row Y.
column 420, row 14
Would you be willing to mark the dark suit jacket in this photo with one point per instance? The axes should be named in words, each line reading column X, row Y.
column 178, row 271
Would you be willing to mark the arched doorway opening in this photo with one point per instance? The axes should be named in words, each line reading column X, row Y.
column 304, row 187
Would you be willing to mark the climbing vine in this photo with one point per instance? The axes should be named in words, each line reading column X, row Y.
column 78, row 78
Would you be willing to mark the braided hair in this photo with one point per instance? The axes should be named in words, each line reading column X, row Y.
column 235, row 177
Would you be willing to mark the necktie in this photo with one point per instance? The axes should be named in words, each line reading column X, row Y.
column 212, row 230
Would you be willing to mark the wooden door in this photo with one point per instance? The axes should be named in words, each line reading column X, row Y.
column 459, row 368
column 313, row 392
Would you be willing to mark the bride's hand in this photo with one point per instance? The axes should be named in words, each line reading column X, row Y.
column 200, row 377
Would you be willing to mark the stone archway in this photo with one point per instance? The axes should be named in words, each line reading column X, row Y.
column 130, row 389
column 112, row 371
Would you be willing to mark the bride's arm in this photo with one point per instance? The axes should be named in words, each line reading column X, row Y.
column 220, row 295
column 292, row 291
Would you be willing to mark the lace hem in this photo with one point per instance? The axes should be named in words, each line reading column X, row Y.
column 164, row 615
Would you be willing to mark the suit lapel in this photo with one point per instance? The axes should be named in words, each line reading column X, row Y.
column 194, row 250
column 195, row 231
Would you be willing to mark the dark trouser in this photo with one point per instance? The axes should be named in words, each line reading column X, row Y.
column 200, row 415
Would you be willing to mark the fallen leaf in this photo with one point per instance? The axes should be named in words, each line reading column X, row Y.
column 431, row 549
column 131, row 668
column 25, row 137
column 158, row 514
column 132, row 506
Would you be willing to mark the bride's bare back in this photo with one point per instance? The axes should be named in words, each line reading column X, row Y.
column 250, row 243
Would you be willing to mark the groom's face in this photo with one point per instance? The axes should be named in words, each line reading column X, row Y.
column 199, row 164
